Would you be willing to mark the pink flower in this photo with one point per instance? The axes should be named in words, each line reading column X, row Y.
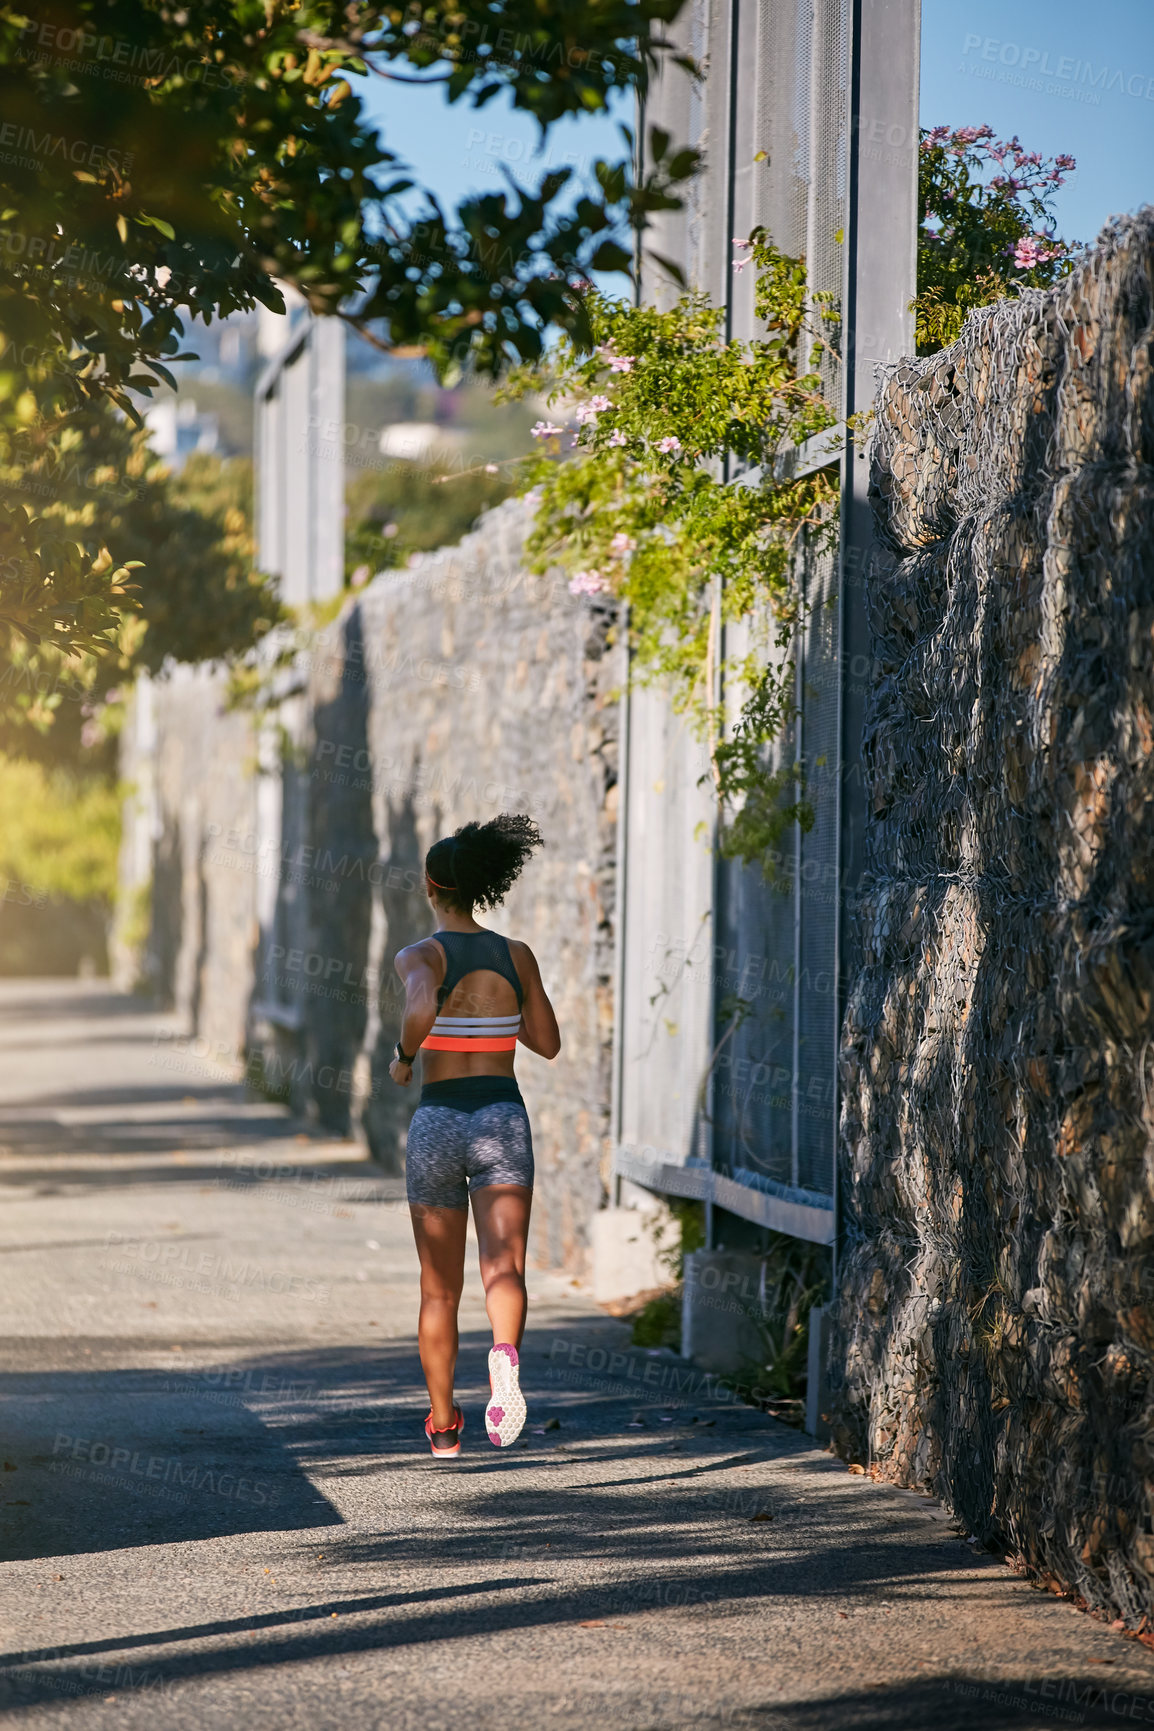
column 669, row 444
column 545, row 430
column 91, row 733
column 587, row 583
column 622, row 544
column 621, row 363
column 1033, row 249
column 587, row 413
column 617, row 438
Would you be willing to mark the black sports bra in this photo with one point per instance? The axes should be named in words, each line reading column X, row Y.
column 465, row 951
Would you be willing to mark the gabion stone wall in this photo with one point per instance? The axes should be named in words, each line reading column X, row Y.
column 996, row 1303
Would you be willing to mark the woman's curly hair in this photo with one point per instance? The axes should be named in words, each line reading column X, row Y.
column 480, row 862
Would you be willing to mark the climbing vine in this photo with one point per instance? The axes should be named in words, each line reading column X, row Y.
column 657, row 421
column 986, row 226
column 662, row 414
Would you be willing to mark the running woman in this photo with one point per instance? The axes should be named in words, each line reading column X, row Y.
column 470, row 995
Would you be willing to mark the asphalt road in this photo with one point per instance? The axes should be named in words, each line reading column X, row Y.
column 218, row 1506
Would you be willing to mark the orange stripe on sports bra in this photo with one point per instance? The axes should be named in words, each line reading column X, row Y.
column 451, row 1043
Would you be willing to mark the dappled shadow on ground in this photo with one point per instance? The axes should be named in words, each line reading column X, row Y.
column 152, row 1120
column 250, row 1444
column 65, row 999
column 961, row 1702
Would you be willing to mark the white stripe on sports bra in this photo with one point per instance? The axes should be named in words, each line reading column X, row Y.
column 478, row 1027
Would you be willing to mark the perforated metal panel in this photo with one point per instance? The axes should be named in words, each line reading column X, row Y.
column 774, row 1101
column 300, row 482
column 778, row 86
column 300, row 457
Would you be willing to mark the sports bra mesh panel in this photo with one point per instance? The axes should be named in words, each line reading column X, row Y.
column 467, row 951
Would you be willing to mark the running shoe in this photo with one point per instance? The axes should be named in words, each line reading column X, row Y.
column 450, row 1439
column 505, row 1413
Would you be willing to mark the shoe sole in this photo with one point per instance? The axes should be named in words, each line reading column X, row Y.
column 505, row 1413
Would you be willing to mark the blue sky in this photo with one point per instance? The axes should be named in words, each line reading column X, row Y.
column 1084, row 84
column 1063, row 75
column 457, row 150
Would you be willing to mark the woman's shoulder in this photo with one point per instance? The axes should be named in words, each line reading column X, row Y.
column 426, row 950
column 522, row 955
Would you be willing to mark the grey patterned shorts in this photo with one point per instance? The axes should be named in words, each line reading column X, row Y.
column 449, row 1153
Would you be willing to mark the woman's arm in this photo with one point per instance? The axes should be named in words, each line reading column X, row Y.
column 539, row 1030
column 416, row 968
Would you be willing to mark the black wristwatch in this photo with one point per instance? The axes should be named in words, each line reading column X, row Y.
column 402, row 1055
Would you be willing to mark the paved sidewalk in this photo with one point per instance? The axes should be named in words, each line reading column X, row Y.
column 218, row 1508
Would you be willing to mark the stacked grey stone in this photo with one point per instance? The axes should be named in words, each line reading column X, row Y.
column 996, row 1320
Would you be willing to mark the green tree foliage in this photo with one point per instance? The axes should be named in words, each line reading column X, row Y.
column 165, row 161
column 664, row 411
column 191, row 531
column 407, row 508
column 194, row 531
column 982, row 235
column 59, row 834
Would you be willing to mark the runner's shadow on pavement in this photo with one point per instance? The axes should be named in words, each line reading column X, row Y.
column 246, row 1442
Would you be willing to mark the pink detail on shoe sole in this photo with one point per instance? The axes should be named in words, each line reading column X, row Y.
column 509, row 1351
column 495, row 1437
column 495, row 1414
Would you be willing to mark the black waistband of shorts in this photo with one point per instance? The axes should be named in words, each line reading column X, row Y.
column 469, row 1093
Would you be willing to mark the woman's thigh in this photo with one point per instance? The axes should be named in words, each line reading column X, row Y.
column 501, row 1213
column 440, row 1235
